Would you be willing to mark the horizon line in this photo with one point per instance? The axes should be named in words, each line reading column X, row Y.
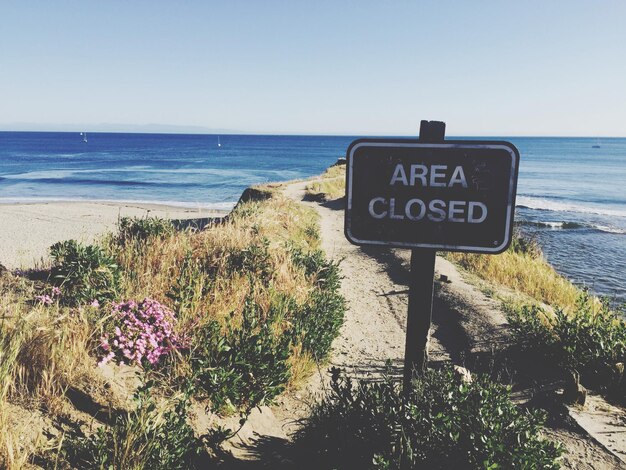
column 211, row 132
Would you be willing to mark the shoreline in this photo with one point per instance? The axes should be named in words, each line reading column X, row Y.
column 29, row 229
column 144, row 204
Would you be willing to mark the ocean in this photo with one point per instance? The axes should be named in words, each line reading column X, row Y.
column 571, row 191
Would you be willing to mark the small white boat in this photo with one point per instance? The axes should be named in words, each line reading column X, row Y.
column 218, row 141
column 84, row 134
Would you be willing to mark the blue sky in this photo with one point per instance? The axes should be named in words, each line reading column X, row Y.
column 336, row 67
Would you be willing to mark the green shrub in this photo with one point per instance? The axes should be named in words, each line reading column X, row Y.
column 84, row 273
column 445, row 423
column 524, row 244
column 590, row 340
column 246, row 366
column 253, row 260
column 318, row 322
column 189, row 286
column 326, row 273
column 145, row 438
column 138, row 230
column 319, row 319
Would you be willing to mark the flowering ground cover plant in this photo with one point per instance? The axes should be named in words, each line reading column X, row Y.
column 141, row 333
column 48, row 299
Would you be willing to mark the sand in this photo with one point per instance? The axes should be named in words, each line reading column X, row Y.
column 28, row 230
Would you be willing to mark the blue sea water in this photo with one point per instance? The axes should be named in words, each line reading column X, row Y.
column 571, row 196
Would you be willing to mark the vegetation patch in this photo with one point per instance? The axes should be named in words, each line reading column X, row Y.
column 139, row 333
column 151, row 436
column 231, row 315
column 330, row 185
column 137, row 230
column 84, row 273
column 590, row 339
column 246, row 366
column 446, row 422
column 522, row 268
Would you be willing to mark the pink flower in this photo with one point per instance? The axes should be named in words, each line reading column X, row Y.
column 141, row 331
column 94, row 303
column 44, row 299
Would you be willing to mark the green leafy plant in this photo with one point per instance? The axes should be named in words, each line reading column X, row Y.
column 444, row 423
column 319, row 319
column 591, row 340
column 246, row 366
column 138, row 230
column 253, row 260
column 524, row 244
column 318, row 322
column 84, row 273
column 146, row 438
column 326, row 273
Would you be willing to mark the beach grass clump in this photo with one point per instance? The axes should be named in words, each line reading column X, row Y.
column 141, row 229
column 522, row 268
column 589, row 339
column 330, row 185
column 43, row 346
column 84, row 273
column 446, row 422
column 44, row 351
column 151, row 436
column 253, row 260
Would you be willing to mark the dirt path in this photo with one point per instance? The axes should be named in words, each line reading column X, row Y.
column 466, row 324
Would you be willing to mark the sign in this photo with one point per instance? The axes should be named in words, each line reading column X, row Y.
column 451, row 196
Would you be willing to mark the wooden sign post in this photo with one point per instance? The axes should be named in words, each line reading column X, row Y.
column 421, row 284
column 427, row 195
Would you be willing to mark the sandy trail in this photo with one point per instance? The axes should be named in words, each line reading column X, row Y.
column 466, row 324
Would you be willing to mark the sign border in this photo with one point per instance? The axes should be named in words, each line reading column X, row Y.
column 448, row 144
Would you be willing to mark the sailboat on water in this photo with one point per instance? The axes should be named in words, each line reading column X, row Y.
column 218, row 141
column 84, row 134
column 596, row 145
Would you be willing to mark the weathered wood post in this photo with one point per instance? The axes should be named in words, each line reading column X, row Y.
column 421, row 283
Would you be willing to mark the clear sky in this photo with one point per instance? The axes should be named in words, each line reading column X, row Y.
column 335, row 67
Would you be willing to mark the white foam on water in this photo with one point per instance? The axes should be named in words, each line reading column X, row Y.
column 550, row 205
column 607, row 229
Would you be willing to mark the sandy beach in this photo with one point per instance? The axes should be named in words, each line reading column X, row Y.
column 28, row 230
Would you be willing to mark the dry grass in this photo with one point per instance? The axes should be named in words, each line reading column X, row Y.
column 43, row 350
column 529, row 274
column 330, row 185
column 277, row 223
